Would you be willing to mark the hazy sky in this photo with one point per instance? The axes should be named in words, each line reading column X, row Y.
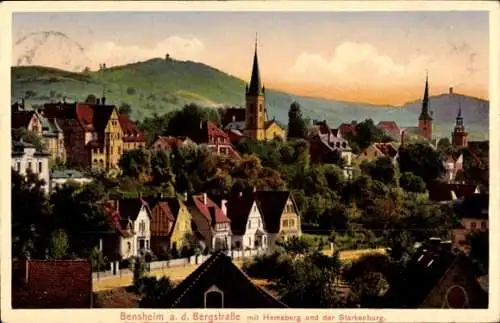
column 378, row 57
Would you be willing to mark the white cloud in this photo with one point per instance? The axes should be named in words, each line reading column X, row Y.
column 115, row 54
column 355, row 63
column 57, row 50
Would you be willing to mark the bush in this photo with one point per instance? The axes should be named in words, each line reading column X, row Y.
column 131, row 91
column 268, row 266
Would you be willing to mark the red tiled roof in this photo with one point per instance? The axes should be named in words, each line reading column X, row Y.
column 220, row 217
column 52, row 284
column 390, row 128
column 387, row 149
column 114, row 219
column 169, row 142
column 346, row 128
column 234, row 134
column 214, row 131
column 130, row 131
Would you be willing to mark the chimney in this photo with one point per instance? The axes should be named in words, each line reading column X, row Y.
column 234, row 118
column 205, row 198
column 26, row 269
column 185, row 196
column 403, row 138
column 103, row 100
column 22, row 103
column 254, row 189
column 98, row 101
column 211, row 210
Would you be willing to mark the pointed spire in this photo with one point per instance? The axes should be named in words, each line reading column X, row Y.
column 424, row 115
column 255, row 86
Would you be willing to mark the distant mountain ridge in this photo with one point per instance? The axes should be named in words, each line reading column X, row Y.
column 160, row 84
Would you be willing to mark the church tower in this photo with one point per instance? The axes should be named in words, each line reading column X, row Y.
column 255, row 104
column 425, row 119
column 459, row 135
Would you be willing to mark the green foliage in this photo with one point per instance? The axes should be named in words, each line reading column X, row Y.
column 297, row 127
column 422, row 160
column 479, row 249
column 412, row 183
column 268, row 266
column 154, row 291
column 59, row 244
column 29, row 137
column 125, row 109
column 188, row 120
column 91, row 99
column 365, row 134
column 135, row 163
column 382, row 169
column 139, row 271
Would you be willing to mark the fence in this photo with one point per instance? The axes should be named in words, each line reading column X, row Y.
column 180, row 262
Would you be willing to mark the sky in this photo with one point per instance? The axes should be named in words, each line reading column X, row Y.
column 375, row 57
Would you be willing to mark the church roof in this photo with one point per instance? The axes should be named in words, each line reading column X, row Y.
column 255, row 87
column 424, row 115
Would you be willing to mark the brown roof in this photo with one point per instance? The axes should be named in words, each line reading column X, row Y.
column 129, row 208
column 219, row 271
column 346, row 128
column 21, row 119
column 272, row 204
column 114, row 219
column 52, row 284
column 441, row 191
column 387, row 149
column 238, row 210
column 169, row 142
column 390, row 128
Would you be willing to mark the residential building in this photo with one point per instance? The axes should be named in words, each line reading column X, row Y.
column 247, row 223
column 171, row 142
column 280, row 214
column 93, row 134
column 51, row 284
column 324, row 142
column 346, row 129
column 377, row 150
column 219, row 283
column 48, row 130
column 234, row 135
column 390, row 128
column 215, row 139
column 437, row 277
column 61, row 177
column 452, row 166
column 170, row 225
column 133, row 138
column 446, row 192
column 210, row 222
column 24, row 157
column 459, row 134
column 232, row 115
column 473, row 214
column 119, row 242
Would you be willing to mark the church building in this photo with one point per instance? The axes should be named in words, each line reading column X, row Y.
column 425, row 119
column 256, row 124
column 459, row 135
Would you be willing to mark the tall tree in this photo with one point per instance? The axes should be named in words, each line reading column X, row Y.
column 297, row 127
column 422, row 160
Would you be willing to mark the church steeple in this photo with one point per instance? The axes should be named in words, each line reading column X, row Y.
column 460, row 119
column 255, row 87
column 424, row 115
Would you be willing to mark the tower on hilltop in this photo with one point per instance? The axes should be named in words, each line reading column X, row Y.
column 255, row 103
column 459, row 135
column 425, row 119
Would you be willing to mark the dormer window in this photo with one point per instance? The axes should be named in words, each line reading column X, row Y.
column 214, row 298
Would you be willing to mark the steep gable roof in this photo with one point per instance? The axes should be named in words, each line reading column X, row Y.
column 387, row 149
column 130, row 131
column 272, row 204
column 129, row 208
column 238, row 210
column 52, row 284
column 204, row 209
column 390, row 128
column 219, row 270
column 21, row 119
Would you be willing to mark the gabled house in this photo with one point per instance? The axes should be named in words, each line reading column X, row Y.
column 247, row 223
column 170, row 142
column 437, row 277
column 118, row 242
column 214, row 139
column 93, row 134
column 25, row 156
column 473, row 214
column 219, row 283
column 210, row 222
column 135, row 213
column 348, row 128
column 325, row 141
column 390, row 128
column 231, row 115
column 170, row 225
column 133, row 138
column 377, row 150
column 452, row 165
column 51, row 284
column 280, row 214
column 234, row 135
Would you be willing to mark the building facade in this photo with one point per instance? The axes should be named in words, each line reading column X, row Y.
column 459, row 134
column 25, row 157
column 425, row 119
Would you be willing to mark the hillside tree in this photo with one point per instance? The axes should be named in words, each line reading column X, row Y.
column 297, row 127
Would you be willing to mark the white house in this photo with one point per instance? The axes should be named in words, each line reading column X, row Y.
column 25, row 156
column 60, row 177
column 247, row 223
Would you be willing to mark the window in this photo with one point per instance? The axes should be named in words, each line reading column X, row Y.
column 473, row 225
column 291, row 223
column 142, row 226
column 29, row 166
column 285, row 223
column 129, row 246
column 40, row 167
column 258, row 222
column 249, row 241
column 18, row 166
column 260, row 107
column 249, row 224
column 483, row 225
column 147, row 244
column 214, row 298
